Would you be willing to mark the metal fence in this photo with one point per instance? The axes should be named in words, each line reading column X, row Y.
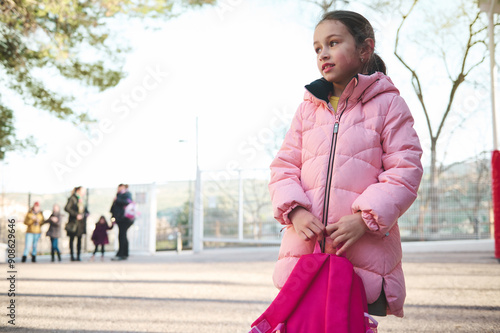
column 464, row 210
column 237, row 210
column 16, row 205
column 141, row 234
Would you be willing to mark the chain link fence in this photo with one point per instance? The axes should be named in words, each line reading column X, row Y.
column 237, row 207
column 459, row 206
column 237, row 210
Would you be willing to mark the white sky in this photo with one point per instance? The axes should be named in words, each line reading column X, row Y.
column 239, row 68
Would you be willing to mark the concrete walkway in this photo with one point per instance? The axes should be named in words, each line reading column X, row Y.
column 226, row 290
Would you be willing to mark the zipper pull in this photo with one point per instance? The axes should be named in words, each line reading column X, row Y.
column 336, row 127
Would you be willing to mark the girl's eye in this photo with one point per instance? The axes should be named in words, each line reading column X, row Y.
column 333, row 43
column 317, row 50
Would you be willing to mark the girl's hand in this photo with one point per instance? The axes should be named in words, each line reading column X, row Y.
column 347, row 230
column 306, row 224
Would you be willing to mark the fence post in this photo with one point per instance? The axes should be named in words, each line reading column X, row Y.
column 153, row 212
column 495, row 193
column 178, row 246
column 240, row 206
column 197, row 215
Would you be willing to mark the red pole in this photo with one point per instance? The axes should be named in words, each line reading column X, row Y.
column 495, row 193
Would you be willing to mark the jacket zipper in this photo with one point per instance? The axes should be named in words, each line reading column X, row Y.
column 329, row 176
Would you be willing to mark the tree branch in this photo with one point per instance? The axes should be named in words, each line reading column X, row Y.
column 461, row 76
column 415, row 79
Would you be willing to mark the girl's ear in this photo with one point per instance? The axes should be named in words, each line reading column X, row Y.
column 367, row 49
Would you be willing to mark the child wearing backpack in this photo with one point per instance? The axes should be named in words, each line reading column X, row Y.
column 352, row 145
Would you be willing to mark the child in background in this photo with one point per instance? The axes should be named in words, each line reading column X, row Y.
column 100, row 236
column 349, row 166
column 54, row 231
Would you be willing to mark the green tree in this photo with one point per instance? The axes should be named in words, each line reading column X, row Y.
column 49, row 36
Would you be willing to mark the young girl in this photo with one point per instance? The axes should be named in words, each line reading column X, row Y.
column 100, row 235
column 350, row 164
column 54, row 231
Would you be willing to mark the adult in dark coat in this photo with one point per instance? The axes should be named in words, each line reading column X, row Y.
column 77, row 221
column 54, row 231
column 122, row 199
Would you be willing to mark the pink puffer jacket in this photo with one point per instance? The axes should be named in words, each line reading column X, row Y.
column 376, row 170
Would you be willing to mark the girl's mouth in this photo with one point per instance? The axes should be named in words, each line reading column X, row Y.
column 327, row 67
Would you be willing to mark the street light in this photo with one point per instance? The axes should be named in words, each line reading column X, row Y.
column 492, row 7
column 197, row 204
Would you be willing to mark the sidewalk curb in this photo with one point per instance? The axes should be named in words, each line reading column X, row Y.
column 482, row 245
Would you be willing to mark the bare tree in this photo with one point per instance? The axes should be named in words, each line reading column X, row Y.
column 257, row 204
column 327, row 5
column 475, row 191
column 458, row 70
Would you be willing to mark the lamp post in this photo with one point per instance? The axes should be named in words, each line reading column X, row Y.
column 198, row 205
column 492, row 7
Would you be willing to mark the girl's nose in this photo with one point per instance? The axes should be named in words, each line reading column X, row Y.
column 324, row 55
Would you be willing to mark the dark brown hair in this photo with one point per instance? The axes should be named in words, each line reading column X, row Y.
column 361, row 29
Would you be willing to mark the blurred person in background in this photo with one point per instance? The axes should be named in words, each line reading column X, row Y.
column 76, row 226
column 33, row 220
column 100, row 236
column 54, row 231
column 122, row 199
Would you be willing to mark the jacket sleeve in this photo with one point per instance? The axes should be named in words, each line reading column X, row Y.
column 285, row 186
column 124, row 199
column 384, row 202
column 70, row 206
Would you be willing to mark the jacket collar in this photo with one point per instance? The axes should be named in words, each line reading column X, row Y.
column 320, row 89
column 361, row 88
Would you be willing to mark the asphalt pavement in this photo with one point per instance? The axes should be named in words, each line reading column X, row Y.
column 225, row 290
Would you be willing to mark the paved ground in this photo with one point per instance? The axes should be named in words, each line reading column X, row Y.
column 225, row 290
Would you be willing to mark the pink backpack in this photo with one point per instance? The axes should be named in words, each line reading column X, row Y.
column 131, row 211
column 322, row 294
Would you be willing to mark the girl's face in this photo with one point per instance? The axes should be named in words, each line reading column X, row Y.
column 101, row 220
column 339, row 59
